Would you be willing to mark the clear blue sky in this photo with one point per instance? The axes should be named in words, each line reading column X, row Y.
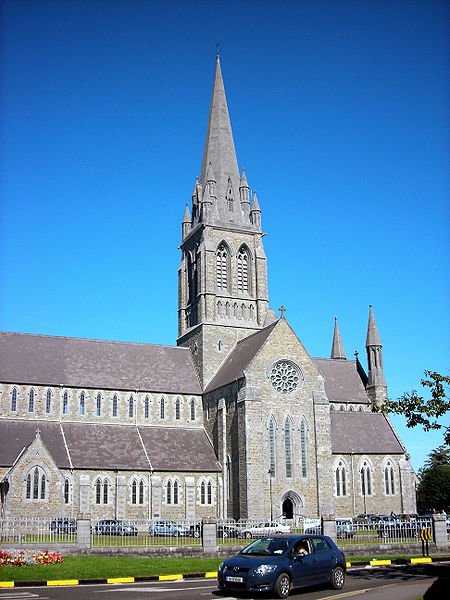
column 339, row 114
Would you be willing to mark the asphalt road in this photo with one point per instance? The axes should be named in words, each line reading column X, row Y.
column 383, row 583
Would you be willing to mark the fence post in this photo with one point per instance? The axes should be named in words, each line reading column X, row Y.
column 440, row 531
column 83, row 532
column 209, row 536
column 329, row 526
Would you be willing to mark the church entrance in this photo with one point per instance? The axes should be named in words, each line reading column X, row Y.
column 288, row 509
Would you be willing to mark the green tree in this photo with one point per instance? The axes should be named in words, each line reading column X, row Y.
column 425, row 411
column 433, row 491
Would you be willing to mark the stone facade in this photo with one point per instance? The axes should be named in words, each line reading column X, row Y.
column 237, row 421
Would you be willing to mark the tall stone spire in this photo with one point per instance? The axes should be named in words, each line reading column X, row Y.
column 337, row 347
column 376, row 383
column 219, row 154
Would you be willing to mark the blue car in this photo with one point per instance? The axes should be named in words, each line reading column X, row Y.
column 169, row 529
column 278, row 564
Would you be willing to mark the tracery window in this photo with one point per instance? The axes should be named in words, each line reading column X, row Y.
column 288, row 447
column 304, row 448
column 101, row 491
column 48, row 402
column 65, row 403
column 285, row 376
column 31, row 398
column 366, row 479
column 137, row 492
column 98, row 409
column 389, row 481
column 114, row 405
column 36, row 484
column 341, row 479
column 14, row 396
column 222, row 267
column 242, row 271
column 193, row 410
column 82, row 403
column 272, row 448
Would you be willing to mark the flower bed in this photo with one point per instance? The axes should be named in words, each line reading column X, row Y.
column 20, row 558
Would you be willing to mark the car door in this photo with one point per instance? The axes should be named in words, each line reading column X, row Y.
column 323, row 559
column 303, row 567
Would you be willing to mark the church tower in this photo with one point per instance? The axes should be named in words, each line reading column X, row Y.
column 222, row 278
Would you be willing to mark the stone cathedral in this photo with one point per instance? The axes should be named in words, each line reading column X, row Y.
column 236, row 421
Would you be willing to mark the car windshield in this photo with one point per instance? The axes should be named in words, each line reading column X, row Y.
column 267, row 546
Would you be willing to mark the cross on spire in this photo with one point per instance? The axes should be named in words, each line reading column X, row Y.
column 282, row 310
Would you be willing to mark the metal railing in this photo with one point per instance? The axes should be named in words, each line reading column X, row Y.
column 37, row 530
column 145, row 533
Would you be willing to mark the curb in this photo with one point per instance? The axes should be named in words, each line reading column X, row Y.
column 206, row 575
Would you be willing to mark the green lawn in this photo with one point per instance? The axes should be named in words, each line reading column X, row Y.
column 95, row 567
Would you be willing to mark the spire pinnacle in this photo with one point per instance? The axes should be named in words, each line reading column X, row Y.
column 219, row 148
column 337, row 347
column 373, row 337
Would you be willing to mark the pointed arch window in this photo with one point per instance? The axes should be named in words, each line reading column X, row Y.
column 389, row 480
column 175, row 492
column 131, row 407
column 14, row 396
column 222, row 267
column 243, row 271
column 134, row 492
column 66, row 491
column 48, row 402
column 341, row 479
column 177, row 409
column 101, row 491
column 98, row 407
column 115, row 403
column 366, row 479
column 147, row 407
column 82, row 403
column 162, row 408
column 272, row 448
column 209, row 492
column 304, row 448
column 65, row 403
column 31, row 399
column 169, row 492
column 203, row 493
column 36, row 484
column 193, row 415
column 288, row 448
column 141, row 492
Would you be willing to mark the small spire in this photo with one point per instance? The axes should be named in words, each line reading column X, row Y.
column 373, row 337
column 187, row 214
column 255, row 203
column 337, row 347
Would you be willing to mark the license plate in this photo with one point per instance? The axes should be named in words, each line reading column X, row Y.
column 235, row 579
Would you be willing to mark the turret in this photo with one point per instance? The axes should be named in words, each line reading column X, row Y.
column 186, row 223
column 244, row 193
column 376, row 383
column 255, row 213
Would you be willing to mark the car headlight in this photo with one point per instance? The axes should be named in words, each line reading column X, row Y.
column 221, row 566
column 264, row 569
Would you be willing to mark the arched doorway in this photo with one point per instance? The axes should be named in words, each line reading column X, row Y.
column 288, row 508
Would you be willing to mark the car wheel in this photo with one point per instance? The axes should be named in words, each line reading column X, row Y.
column 337, row 578
column 282, row 586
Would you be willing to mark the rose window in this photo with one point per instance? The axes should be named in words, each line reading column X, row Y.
column 285, row 376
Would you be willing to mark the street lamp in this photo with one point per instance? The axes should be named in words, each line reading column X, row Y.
column 270, row 488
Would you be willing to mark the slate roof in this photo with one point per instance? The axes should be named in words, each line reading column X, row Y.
column 123, row 447
column 363, row 433
column 239, row 358
column 342, row 381
column 74, row 362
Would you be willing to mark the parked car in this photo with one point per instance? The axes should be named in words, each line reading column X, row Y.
column 168, row 528
column 63, row 525
column 271, row 564
column 345, row 528
column 115, row 527
column 263, row 528
column 368, row 518
column 393, row 528
column 224, row 531
column 195, row 530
